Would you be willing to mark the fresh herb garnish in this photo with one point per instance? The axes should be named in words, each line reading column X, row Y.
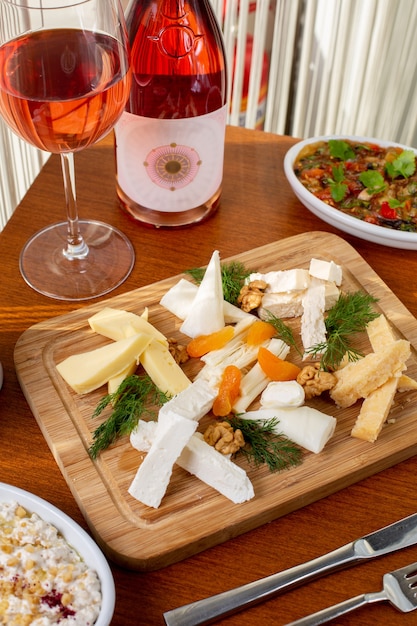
column 373, row 181
column 265, row 445
column 233, row 278
column 283, row 330
column 404, row 165
column 341, row 150
column 350, row 315
column 396, row 204
column 133, row 399
column 338, row 188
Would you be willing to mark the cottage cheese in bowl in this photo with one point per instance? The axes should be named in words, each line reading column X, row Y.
column 51, row 572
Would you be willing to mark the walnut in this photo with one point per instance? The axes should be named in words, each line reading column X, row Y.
column 250, row 296
column 178, row 351
column 223, row 438
column 315, row 381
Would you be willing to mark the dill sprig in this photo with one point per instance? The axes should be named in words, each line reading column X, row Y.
column 266, row 445
column 133, row 399
column 283, row 330
column 233, row 278
column 349, row 316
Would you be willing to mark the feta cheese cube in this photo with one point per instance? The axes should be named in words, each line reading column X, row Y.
column 326, row 270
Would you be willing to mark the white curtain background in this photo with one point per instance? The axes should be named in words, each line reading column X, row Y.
column 296, row 67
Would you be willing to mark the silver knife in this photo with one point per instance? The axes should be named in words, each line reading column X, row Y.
column 401, row 534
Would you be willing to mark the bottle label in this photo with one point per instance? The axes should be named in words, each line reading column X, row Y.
column 170, row 165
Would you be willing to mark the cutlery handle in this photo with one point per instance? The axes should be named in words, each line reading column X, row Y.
column 208, row 610
column 331, row 612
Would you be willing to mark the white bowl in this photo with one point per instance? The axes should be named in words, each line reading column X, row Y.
column 76, row 537
column 346, row 223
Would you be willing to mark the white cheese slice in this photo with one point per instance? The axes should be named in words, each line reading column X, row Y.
column 162, row 368
column 117, row 324
column 179, row 299
column 192, row 403
column 89, row 370
column 290, row 304
column 307, row 427
column 206, row 313
column 313, row 328
column 143, row 435
column 216, row 470
column 282, row 305
column 283, row 280
column 326, row 270
column 204, row 462
column 153, row 476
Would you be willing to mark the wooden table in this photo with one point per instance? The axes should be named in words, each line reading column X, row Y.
column 258, row 207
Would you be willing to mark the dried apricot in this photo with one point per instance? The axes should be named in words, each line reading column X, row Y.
column 276, row 368
column 259, row 332
column 214, row 341
column 228, row 391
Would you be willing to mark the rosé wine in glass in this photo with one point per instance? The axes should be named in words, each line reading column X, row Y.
column 64, row 83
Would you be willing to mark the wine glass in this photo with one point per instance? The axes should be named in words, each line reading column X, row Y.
column 64, row 82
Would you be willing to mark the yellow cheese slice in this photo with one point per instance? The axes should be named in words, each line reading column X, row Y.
column 117, row 324
column 376, row 407
column 405, row 383
column 374, row 411
column 162, row 368
column 380, row 334
column 89, row 370
column 114, row 383
column 359, row 379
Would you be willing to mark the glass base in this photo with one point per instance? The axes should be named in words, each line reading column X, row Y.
column 46, row 268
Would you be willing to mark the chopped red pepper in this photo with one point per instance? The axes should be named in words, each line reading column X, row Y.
column 387, row 212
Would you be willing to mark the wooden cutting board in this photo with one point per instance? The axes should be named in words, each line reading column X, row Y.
column 192, row 516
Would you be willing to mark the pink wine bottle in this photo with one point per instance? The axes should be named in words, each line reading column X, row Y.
column 170, row 139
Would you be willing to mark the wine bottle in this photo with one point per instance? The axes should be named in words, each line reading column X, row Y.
column 170, row 139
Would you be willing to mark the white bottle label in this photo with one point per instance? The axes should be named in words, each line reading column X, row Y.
column 170, row 165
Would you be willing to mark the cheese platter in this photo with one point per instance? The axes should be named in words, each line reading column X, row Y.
column 193, row 516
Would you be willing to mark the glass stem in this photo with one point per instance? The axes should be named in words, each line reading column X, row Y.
column 76, row 246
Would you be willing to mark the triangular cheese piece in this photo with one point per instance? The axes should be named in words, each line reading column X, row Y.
column 206, row 313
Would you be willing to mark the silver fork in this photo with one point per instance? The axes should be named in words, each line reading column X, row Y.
column 400, row 588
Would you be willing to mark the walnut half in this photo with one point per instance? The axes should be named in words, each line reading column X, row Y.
column 178, row 351
column 250, row 296
column 315, row 381
column 223, row 438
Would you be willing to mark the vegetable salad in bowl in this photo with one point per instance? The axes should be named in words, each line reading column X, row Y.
column 364, row 186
